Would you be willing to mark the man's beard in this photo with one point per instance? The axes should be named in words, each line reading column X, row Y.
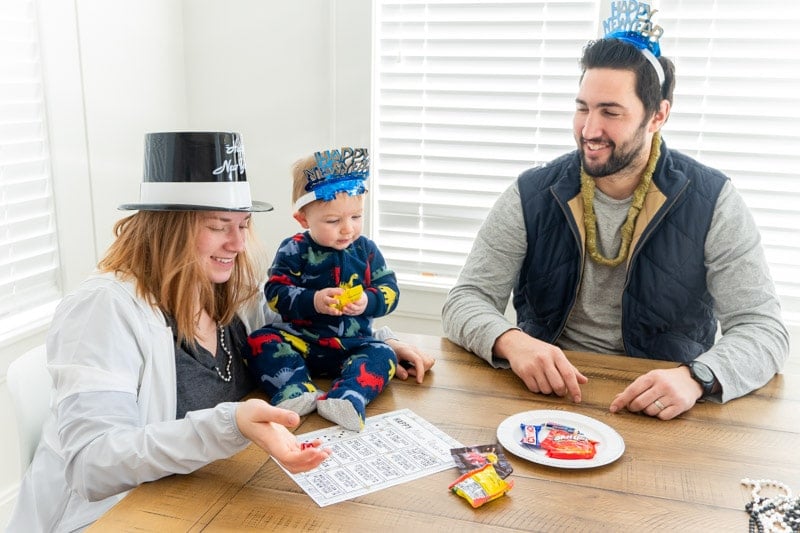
column 620, row 158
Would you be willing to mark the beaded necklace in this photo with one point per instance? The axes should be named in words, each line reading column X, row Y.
column 590, row 219
column 779, row 513
column 227, row 376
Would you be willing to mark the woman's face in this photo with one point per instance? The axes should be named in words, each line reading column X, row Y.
column 222, row 236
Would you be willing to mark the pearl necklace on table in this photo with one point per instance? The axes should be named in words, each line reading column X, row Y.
column 227, row 376
column 772, row 514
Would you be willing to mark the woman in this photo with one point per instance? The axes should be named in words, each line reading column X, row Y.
column 145, row 354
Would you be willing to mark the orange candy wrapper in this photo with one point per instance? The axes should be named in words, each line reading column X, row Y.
column 481, row 486
column 562, row 444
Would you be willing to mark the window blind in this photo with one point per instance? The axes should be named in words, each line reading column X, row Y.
column 737, row 105
column 469, row 94
column 29, row 263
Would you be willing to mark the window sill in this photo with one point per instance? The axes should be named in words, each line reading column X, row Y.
column 21, row 326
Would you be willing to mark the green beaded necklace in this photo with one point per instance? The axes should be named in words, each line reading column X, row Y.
column 590, row 219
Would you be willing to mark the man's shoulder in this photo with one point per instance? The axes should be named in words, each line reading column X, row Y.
column 693, row 168
column 683, row 170
column 561, row 176
column 542, row 175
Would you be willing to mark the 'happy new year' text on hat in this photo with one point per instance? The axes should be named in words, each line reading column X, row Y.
column 195, row 171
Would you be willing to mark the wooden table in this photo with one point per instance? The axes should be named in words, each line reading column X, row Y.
column 682, row 474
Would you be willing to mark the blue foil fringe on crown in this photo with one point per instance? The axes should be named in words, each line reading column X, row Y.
column 338, row 171
column 630, row 22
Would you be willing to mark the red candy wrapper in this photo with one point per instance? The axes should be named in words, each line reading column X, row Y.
column 562, row 444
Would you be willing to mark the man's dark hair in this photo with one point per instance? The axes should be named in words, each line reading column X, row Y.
column 616, row 54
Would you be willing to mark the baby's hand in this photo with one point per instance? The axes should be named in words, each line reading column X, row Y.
column 356, row 308
column 325, row 301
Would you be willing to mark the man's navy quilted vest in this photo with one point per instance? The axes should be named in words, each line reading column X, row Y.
column 667, row 311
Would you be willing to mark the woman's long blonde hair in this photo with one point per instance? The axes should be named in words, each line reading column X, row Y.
column 156, row 249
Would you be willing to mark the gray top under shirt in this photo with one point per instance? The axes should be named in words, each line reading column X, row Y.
column 595, row 324
column 199, row 386
column 754, row 342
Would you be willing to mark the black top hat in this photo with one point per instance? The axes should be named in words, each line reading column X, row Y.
column 195, row 171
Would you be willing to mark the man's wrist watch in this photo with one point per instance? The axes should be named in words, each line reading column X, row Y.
column 703, row 375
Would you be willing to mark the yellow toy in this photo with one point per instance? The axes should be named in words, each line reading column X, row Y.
column 350, row 295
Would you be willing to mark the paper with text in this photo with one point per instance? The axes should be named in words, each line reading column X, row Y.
column 392, row 448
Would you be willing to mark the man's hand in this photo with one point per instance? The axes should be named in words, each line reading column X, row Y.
column 663, row 393
column 542, row 367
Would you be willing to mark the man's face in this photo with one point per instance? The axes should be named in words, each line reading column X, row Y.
column 609, row 125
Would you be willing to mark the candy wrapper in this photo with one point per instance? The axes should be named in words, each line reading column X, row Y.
column 530, row 435
column 561, row 442
column 473, row 457
column 481, row 486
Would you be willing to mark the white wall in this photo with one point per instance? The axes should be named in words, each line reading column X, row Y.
column 132, row 61
column 121, row 69
column 262, row 70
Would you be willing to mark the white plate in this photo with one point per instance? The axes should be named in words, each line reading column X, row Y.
column 609, row 448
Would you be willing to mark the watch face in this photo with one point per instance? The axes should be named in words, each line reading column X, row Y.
column 702, row 372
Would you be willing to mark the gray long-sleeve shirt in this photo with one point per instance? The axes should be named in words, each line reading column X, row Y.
column 754, row 342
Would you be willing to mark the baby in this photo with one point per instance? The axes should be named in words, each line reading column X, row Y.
column 327, row 283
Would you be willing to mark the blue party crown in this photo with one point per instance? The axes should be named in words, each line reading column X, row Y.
column 337, row 171
column 630, row 22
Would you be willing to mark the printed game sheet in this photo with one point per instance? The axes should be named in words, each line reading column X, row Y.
column 393, row 448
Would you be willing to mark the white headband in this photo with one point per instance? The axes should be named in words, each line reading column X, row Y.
column 656, row 65
column 309, row 197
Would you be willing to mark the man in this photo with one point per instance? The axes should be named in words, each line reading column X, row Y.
column 624, row 247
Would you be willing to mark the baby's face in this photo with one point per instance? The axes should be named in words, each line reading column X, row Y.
column 335, row 224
